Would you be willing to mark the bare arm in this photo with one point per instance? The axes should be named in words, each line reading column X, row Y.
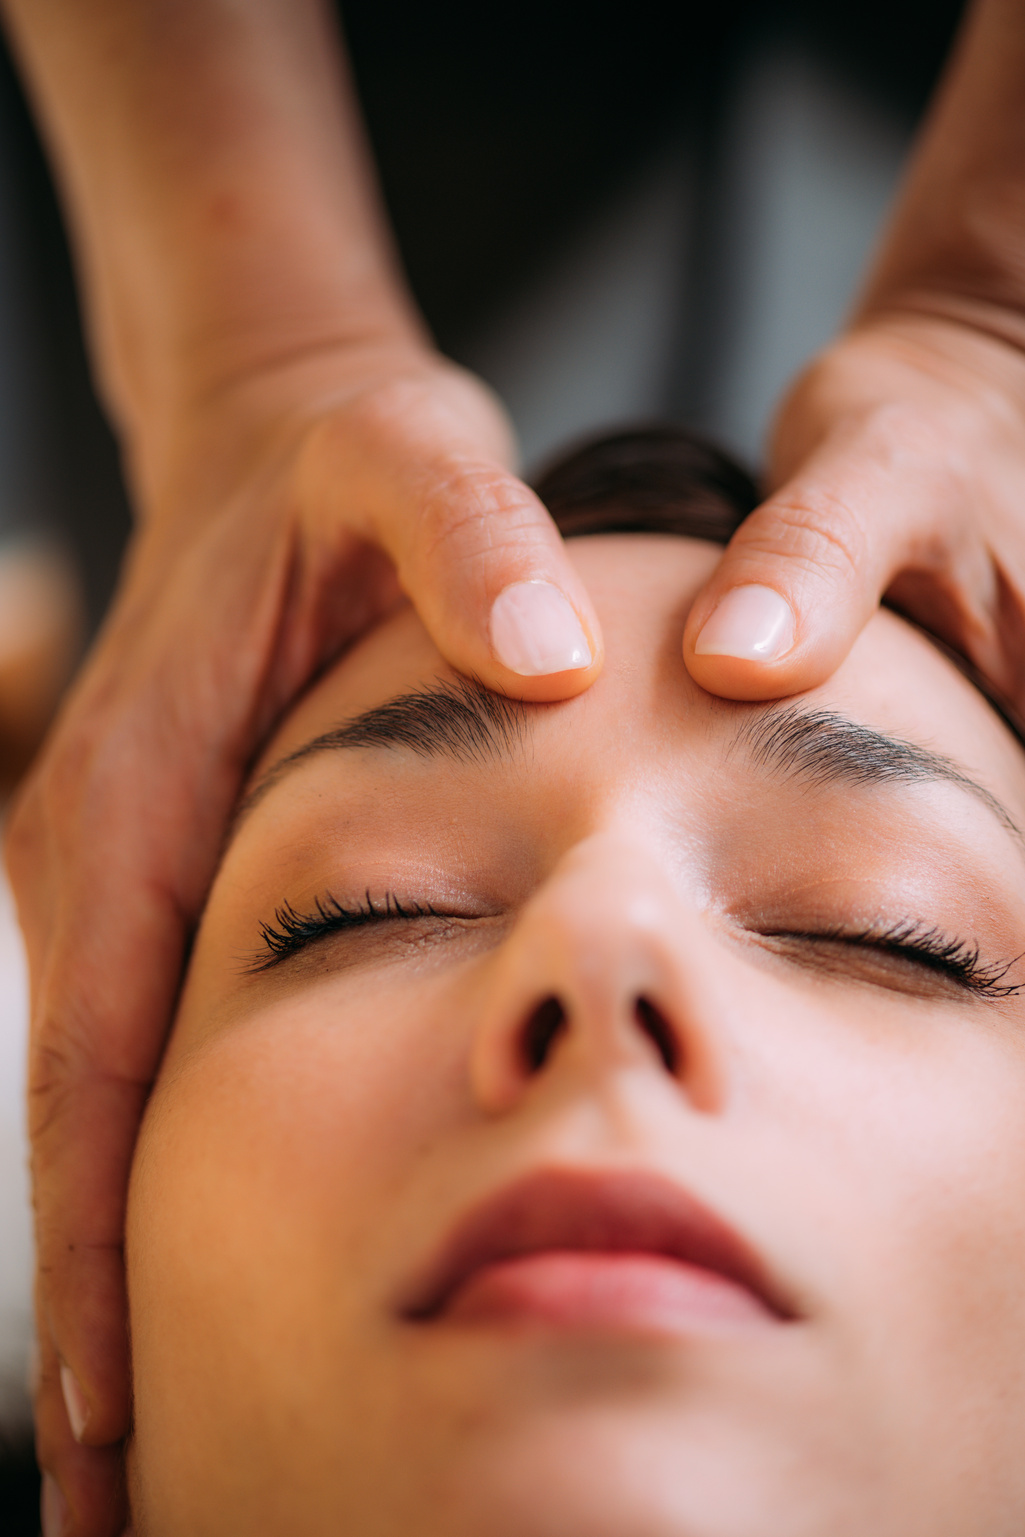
column 236, row 266
column 217, row 183
column 955, row 249
column 899, row 456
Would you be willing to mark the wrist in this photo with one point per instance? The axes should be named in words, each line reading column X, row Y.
column 908, row 380
column 200, row 352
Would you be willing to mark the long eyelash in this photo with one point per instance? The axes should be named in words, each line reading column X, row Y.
column 292, row 931
column 958, row 959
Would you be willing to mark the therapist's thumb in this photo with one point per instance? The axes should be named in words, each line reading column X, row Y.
column 805, row 572
column 419, row 467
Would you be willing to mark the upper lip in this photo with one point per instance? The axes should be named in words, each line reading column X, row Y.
column 618, row 1211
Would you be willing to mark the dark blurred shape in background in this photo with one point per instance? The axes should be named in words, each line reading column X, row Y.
column 641, row 210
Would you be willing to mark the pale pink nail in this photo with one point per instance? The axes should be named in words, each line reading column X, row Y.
column 535, row 630
column 75, row 1402
column 753, row 623
column 53, row 1508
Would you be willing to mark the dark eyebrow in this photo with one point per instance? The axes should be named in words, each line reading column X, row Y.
column 464, row 721
column 822, row 747
column 461, row 720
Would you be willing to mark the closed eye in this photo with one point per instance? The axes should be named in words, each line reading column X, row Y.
column 958, row 961
column 292, row 931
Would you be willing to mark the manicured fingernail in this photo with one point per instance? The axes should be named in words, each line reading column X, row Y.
column 754, row 623
column 535, row 630
column 53, row 1508
column 75, row 1402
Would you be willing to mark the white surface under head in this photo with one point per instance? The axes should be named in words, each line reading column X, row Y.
column 15, row 1220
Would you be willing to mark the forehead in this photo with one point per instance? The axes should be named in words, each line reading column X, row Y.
column 642, row 587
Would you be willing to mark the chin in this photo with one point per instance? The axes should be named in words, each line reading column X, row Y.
column 622, row 1474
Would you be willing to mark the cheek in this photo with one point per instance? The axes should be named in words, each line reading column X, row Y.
column 891, row 1157
column 266, row 1162
column 908, row 1220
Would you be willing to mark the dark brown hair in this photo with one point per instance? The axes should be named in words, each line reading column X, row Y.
column 652, row 480
column 669, row 480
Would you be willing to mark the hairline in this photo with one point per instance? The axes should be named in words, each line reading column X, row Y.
column 655, row 480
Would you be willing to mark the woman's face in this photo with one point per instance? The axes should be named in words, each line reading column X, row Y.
column 618, row 1129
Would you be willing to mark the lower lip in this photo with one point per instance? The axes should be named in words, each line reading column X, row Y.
column 647, row 1293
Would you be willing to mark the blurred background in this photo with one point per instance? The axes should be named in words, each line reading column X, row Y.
column 611, row 213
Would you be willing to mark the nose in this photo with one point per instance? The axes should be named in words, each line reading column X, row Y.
column 603, row 972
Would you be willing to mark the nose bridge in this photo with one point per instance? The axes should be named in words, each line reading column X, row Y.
column 593, row 971
column 600, row 928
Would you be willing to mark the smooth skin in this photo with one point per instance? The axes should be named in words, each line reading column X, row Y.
column 299, row 454
column 319, row 1126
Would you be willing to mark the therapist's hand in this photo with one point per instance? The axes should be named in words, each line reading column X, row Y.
column 898, row 465
column 275, row 525
column 898, row 460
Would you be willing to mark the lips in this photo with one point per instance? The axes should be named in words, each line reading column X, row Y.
column 588, row 1249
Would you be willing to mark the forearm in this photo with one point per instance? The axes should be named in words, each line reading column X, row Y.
column 218, row 188
column 955, row 249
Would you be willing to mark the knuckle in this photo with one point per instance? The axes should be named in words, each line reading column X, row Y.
column 414, row 461
column 70, row 1089
column 54, row 1072
column 819, row 532
column 380, row 418
column 471, row 510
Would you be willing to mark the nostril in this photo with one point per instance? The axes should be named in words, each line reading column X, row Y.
column 659, row 1032
column 543, row 1027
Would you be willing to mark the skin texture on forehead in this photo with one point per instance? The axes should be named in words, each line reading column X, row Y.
column 402, row 648
column 320, row 1124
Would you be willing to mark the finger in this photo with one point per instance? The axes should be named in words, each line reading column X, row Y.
column 97, row 1033
column 806, row 570
column 91, row 1064
column 106, row 877
column 475, row 549
column 79, row 1240
column 83, row 1489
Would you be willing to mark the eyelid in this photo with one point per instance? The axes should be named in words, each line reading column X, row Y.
column 955, row 961
column 296, row 931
